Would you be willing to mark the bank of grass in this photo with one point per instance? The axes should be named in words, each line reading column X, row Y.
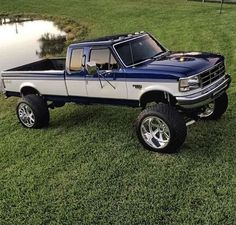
column 89, row 168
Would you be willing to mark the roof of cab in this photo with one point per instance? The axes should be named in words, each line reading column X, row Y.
column 108, row 40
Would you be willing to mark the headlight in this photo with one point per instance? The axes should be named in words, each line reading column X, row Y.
column 187, row 84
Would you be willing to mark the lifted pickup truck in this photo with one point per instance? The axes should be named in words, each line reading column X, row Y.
column 132, row 70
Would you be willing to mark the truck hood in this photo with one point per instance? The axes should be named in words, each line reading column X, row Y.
column 180, row 64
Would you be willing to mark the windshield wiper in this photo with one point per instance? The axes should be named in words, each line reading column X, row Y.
column 158, row 54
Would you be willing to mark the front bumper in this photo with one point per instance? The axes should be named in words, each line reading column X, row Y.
column 206, row 95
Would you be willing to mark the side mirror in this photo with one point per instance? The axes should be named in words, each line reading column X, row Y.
column 92, row 68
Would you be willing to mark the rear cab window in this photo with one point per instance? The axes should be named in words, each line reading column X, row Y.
column 76, row 60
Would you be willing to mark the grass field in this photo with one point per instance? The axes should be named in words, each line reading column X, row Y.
column 89, row 168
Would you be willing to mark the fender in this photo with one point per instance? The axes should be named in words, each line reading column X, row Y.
column 170, row 88
column 27, row 85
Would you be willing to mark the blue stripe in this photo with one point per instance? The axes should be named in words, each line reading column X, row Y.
column 33, row 78
column 93, row 79
column 32, row 74
column 128, row 75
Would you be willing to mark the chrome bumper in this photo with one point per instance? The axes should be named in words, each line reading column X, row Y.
column 206, row 95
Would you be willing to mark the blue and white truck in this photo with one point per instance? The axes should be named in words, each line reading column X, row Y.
column 173, row 89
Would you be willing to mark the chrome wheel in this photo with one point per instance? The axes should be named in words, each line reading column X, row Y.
column 26, row 115
column 208, row 110
column 155, row 132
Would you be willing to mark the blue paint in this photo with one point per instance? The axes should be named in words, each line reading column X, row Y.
column 92, row 100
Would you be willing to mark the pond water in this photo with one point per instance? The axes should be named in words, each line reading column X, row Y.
column 23, row 41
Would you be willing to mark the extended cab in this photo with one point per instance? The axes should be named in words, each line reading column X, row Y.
column 132, row 70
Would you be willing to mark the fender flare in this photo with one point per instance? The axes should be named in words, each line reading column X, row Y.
column 28, row 88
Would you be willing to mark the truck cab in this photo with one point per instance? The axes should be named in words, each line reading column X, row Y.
column 138, row 69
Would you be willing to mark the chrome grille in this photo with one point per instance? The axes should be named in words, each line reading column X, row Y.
column 209, row 76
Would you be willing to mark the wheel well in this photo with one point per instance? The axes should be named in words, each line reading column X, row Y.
column 29, row 90
column 156, row 96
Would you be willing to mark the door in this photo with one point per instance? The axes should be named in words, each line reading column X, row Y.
column 75, row 79
column 109, row 82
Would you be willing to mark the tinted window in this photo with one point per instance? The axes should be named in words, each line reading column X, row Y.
column 76, row 60
column 104, row 59
column 138, row 50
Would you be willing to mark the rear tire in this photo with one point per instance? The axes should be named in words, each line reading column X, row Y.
column 32, row 111
column 161, row 128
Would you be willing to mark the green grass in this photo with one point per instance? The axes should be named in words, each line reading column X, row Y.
column 88, row 166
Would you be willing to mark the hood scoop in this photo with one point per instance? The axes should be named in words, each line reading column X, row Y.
column 183, row 58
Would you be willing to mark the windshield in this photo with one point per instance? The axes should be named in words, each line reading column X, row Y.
column 138, row 50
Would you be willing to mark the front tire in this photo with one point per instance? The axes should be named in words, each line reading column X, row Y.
column 215, row 109
column 161, row 129
column 32, row 111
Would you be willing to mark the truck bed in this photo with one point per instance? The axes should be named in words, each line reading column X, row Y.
column 41, row 65
column 48, row 75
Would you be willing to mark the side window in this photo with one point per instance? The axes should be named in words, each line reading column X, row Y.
column 103, row 58
column 76, row 60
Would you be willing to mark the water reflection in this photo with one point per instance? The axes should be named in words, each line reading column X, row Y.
column 23, row 41
column 16, row 19
column 51, row 44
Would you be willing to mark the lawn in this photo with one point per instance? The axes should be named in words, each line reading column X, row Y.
column 88, row 166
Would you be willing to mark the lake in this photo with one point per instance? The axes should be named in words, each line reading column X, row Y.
column 26, row 41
